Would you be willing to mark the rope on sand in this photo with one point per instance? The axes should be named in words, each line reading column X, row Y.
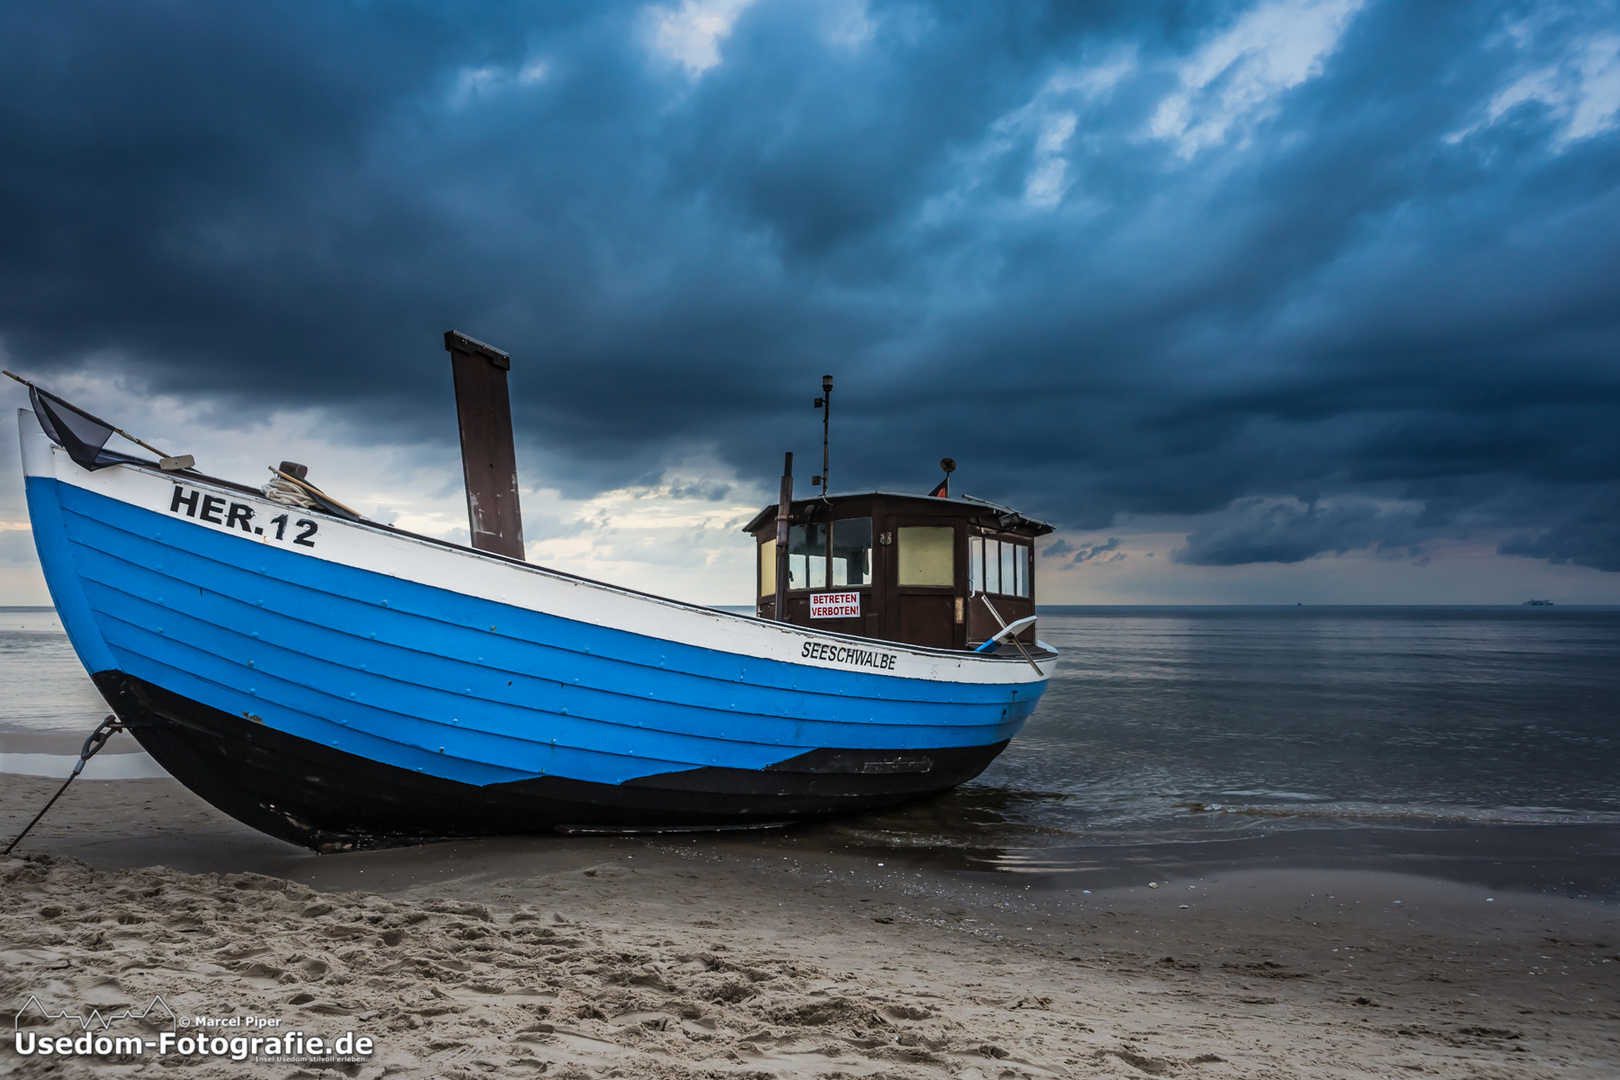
column 92, row 746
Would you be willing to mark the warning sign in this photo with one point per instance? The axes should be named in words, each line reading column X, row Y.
column 835, row 605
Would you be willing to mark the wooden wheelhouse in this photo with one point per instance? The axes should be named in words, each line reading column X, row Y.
column 922, row 569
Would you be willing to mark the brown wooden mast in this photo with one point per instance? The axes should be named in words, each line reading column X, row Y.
column 488, row 456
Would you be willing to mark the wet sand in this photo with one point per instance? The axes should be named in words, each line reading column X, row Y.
column 787, row 955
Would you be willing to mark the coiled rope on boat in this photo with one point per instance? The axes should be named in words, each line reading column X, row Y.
column 287, row 492
column 289, row 489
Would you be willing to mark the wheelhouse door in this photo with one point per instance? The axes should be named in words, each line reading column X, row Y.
column 928, row 571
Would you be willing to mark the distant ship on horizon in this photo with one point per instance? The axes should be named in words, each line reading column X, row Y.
column 1538, row 603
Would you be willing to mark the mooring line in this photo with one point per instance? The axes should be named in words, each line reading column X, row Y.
column 92, row 746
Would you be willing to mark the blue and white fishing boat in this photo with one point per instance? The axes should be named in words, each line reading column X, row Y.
column 340, row 683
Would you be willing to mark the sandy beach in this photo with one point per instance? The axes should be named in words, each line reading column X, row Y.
column 772, row 955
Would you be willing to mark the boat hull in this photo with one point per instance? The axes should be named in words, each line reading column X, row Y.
column 328, row 800
column 339, row 684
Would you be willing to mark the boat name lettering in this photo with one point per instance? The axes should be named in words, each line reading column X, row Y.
column 212, row 508
column 846, row 654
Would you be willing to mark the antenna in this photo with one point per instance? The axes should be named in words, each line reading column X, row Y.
column 824, row 403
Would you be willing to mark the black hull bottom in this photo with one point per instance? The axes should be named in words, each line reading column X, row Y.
column 329, row 800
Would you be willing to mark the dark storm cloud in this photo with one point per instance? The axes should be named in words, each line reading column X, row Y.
column 1589, row 536
column 707, row 490
column 1114, row 258
column 1266, row 530
column 1106, row 550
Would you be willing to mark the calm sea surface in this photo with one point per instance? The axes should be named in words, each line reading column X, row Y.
column 1474, row 742
column 1487, row 715
column 43, row 687
column 1200, row 726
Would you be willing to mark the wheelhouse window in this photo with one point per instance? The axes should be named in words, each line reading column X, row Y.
column 767, row 568
column 998, row 567
column 927, row 555
column 852, row 551
column 807, row 556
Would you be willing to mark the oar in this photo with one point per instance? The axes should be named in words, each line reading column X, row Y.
column 1018, row 626
column 1014, row 630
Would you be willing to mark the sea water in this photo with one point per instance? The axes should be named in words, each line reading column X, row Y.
column 1474, row 742
column 43, row 687
column 1212, row 728
column 1472, row 714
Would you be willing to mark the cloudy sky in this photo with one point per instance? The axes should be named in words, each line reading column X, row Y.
column 1309, row 300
